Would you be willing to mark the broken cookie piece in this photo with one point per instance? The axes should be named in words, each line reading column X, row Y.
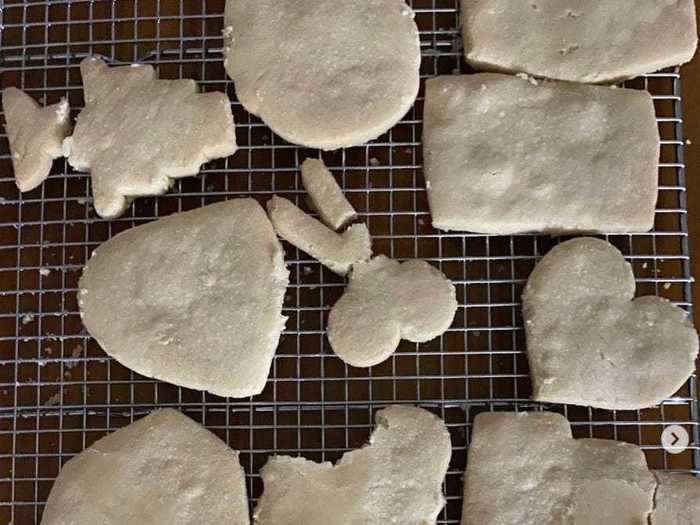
column 35, row 135
column 677, row 500
column 506, row 155
column 138, row 132
column 526, row 469
column 396, row 478
column 387, row 301
column 326, row 195
column 339, row 252
column 322, row 73
column 194, row 299
column 163, row 468
column 594, row 42
column 589, row 342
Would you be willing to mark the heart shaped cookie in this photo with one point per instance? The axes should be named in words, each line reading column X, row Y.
column 589, row 342
column 387, row 301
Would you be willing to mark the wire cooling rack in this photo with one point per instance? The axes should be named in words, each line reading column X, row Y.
column 59, row 392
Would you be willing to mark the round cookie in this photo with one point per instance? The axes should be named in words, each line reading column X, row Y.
column 322, row 73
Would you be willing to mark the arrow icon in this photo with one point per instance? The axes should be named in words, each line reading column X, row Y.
column 675, row 439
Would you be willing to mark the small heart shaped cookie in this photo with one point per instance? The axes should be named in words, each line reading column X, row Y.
column 387, row 301
column 589, row 343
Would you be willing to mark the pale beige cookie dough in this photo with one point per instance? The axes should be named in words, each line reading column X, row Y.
column 506, row 155
column 194, row 299
column 579, row 40
column 339, row 252
column 526, row 469
column 326, row 194
column 35, row 135
column 387, row 301
column 589, row 342
column 161, row 469
column 324, row 73
column 677, row 500
column 396, row 478
column 138, row 132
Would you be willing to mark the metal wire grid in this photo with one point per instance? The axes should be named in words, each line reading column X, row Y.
column 59, row 392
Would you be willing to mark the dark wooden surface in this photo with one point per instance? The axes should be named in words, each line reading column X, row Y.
column 691, row 107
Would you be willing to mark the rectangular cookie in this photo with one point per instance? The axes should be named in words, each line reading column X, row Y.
column 579, row 40
column 506, row 155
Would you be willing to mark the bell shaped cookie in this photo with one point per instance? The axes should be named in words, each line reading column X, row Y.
column 194, row 299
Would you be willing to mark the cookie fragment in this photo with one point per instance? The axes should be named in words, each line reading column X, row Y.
column 194, row 299
column 322, row 73
column 677, row 500
column 396, row 478
column 506, row 155
column 35, row 135
column 138, row 132
column 589, row 342
column 338, row 252
column 164, row 468
column 526, row 469
column 326, row 194
column 594, row 42
column 387, row 301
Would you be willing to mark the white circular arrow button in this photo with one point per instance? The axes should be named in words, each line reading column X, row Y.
column 675, row 439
